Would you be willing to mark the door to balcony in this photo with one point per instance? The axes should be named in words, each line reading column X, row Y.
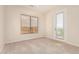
column 59, row 25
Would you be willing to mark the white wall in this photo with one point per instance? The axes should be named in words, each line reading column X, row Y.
column 13, row 33
column 71, row 22
column 1, row 27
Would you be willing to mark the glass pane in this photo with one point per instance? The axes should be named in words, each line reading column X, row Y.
column 34, row 25
column 59, row 27
column 25, row 24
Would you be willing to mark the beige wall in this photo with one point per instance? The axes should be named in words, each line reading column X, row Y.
column 13, row 33
column 1, row 27
column 71, row 22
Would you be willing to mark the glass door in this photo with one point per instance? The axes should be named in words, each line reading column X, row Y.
column 60, row 25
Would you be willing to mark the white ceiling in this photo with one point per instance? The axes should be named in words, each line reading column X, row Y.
column 40, row 8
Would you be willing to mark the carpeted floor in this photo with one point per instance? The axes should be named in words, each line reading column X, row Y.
column 39, row 46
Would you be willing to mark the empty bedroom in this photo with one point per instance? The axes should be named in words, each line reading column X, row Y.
column 39, row 29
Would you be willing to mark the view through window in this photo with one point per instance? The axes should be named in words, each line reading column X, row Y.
column 59, row 25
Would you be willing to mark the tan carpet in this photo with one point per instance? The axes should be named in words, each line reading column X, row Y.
column 39, row 46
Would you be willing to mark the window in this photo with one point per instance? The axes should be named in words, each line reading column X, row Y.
column 29, row 24
column 60, row 25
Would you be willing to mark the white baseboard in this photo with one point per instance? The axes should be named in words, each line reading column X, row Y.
column 25, row 39
column 77, row 45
